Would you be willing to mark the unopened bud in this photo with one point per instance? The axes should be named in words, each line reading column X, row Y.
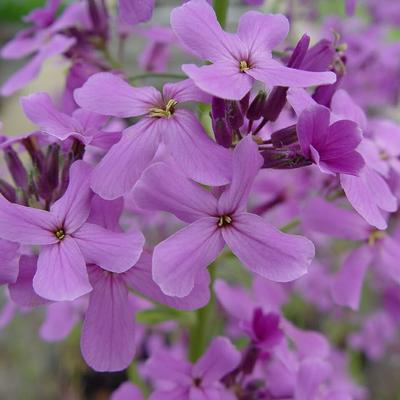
column 233, row 114
column 256, row 107
column 284, row 137
column 223, row 135
column 8, row 191
column 16, row 168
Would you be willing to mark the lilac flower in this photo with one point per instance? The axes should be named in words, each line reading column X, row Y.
column 238, row 59
column 214, row 222
column 67, row 241
column 163, row 121
column 201, row 380
column 84, row 125
column 135, row 11
column 331, row 147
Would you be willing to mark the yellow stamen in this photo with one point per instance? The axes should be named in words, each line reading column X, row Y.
column 164, row 112
column 224, row 220
column 60, row 234
column 374, row 236
column 243, row 66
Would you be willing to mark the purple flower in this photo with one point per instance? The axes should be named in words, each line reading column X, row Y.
column 214, row 222
column 8, row 262
column 198, row 381
column 331, row 147
column 84, row 125
column 67, row 241
column 127, row 391
column 163, row 121
column 133, row 12
column 237, row 59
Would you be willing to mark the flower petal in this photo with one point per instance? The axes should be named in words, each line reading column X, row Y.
column 9, row 261
column 133, row 12
column 267, row 251
column 61, row 272
column 107, row 340
column 178, row 260
column 113, row 251
column 121, row 167
column 184, row 91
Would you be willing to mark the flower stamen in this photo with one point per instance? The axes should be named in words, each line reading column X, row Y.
column 60, row 234
column 243, row 66
column 164, row 112
column 224, row 220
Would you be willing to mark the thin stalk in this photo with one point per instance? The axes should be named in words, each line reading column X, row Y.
column 156, row 75
column 221, row 9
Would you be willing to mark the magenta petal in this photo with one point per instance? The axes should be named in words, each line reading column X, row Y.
column 220, row 358
column 113, row 251
column 127, row 391
column 134, row 11
column 350, row 164
column 164, row 188
column 246, row 164
column 184, row 91
column 108, row 94
column 274, row 74
column 57, row 45
column 9, row 261
column 388, row 260
column 348, row 282
column 200, row 158
column 39, row 108
column 26, row 225
column 324, row 217
column 178, row 260
column 262, row 32
column 61, row 272
column 122, row 166
column 139, row 279
column 222, row 79
column 21, row 292
column 196, row 26
column 108, row 340
column 368, row 193
column 267, row 251
column 73, row 208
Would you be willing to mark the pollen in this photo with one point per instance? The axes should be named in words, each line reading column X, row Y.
column 164, row 112
column 224, row 220
column 374, row 236
column 243, row 66
column 60, row 234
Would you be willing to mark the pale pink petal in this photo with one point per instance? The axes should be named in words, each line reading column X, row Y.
column 178, row 260
column 122, row 166
column 267, row 251
column 108, row 94
column 61, row 272
column 199, row 157
column 113, row 251
column 108, row 333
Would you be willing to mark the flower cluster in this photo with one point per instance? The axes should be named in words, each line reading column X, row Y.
column 213, row 231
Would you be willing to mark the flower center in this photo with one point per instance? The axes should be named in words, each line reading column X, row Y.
column 60, row 234
column 164, row 112
column 224, row 220
column 243, row 66
column 197, row 382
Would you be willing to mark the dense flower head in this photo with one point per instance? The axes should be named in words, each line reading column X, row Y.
column 212, row 231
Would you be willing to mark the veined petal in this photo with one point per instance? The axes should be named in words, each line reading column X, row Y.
column 222, row 79
column 196, row 26
column 133, row 12
column 184, row 91
column 164, row 188
column 199, row 157
column 9, row 260
column 178, row 260
column 73, row 208
column 121, row 167
column 267, row 251
column 26, row 225
column 61, row 272
column 262, row 32
column 107, row 340
column 139, row 278
column 108, row 94
column 246, row 163
column 113, row 251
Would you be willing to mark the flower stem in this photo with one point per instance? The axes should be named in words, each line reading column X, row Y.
column 156, row 75
column 291, row 225
column 221, row 9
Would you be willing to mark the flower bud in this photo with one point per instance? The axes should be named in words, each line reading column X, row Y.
column 256, row 108
column 233, row 114
column 16, row 168
column 7, row 191
column 284, row 137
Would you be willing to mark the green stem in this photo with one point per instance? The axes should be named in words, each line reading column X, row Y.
column 291, row 225
column 200, row 333
column 221, row 9
column 156, row 75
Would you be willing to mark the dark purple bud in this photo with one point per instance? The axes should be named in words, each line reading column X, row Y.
column 284, row 159
column 284, row 137
column 256, row 107
column 65, row 175
column 217, row 108
column 320, row 57
column 16, row 168
column 34, row 152
column 99, row 16
column 250, row 359
column 323, row 94
column 233, row 114
column 223, row 135
column 244, row 103
column 7, row 191
column 275, row 103
column 53, row 166
column 299, row 52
